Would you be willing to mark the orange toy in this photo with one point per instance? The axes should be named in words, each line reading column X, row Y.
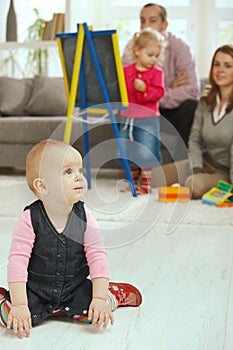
column 224, row 205
column 174, row 194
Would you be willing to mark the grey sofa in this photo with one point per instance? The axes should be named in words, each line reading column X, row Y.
column 35, row 109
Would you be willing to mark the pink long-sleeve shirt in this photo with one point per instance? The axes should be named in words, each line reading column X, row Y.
column 177, row 57
column 23, row 240
column 144, row 104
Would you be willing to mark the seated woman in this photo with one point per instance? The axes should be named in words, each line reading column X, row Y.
column 211, row 138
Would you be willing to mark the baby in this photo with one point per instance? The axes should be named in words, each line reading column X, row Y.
column 57, row 261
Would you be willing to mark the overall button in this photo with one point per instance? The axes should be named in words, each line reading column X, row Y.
column 67, row 308
column 55, row 290
column 84, row 312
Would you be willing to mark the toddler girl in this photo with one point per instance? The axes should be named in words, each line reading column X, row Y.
column 140, row 125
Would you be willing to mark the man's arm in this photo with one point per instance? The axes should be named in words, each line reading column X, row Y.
column 181, row 78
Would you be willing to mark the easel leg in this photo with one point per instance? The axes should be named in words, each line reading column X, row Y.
column 68, row 129
column 122, row 152
column 86, row 151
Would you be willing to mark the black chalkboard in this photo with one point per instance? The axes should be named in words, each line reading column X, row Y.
column 88, row 79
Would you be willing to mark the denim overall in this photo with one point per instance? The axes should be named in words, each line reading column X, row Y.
column 58, row 270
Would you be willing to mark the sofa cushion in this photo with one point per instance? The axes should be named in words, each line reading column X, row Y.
column 48, row 97
column 14, row 95
column 30, row 129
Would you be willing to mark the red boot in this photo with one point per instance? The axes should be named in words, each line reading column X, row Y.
column 126, row 294
column 2, row 292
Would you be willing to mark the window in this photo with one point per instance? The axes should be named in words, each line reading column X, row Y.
column 165, row 3
column 224, row 4
column 26, row 15
column 224, row 10
column 225, row 32
column 21, row 62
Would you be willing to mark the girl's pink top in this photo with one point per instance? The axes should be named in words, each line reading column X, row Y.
column 144, row 104
column 24, row 238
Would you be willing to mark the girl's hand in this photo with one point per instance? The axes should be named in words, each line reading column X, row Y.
column 139, row 85
column 20, row 320
column 100, row 314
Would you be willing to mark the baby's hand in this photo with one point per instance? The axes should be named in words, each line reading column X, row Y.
column 100, row 314
column 139, row 85
column 20, row 320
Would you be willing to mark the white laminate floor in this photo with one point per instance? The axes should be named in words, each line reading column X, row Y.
column 186, row 281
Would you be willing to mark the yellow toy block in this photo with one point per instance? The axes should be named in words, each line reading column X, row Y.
column 174, row 194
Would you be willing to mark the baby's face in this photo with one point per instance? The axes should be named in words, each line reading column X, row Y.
column 63, row 176
column 73, row 181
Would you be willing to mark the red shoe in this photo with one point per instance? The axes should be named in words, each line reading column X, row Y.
column 127, row 189
column 126, row 294
column 2, row 292
column 144, row 190
column 58, row 313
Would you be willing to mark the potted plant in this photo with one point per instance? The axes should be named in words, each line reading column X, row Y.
column 37, row 58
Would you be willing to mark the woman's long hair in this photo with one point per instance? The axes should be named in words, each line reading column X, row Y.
column 214, row 90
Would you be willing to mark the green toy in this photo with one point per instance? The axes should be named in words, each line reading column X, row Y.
column 220, row 194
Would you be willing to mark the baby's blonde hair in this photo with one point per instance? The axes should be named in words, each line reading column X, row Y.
column 141, row 39
column 34, row 158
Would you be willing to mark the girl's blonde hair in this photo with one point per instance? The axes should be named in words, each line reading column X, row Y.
column 145, row 36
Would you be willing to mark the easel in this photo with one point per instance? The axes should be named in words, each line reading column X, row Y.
column 79, row 76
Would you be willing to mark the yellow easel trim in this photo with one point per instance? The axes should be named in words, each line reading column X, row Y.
column 62, row 58
column 120, row 71
column 74, row 83
column 99, row 110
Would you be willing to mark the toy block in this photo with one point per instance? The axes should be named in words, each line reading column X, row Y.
column 174, row 194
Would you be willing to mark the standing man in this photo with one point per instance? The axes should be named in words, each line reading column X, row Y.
column 181, row 81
